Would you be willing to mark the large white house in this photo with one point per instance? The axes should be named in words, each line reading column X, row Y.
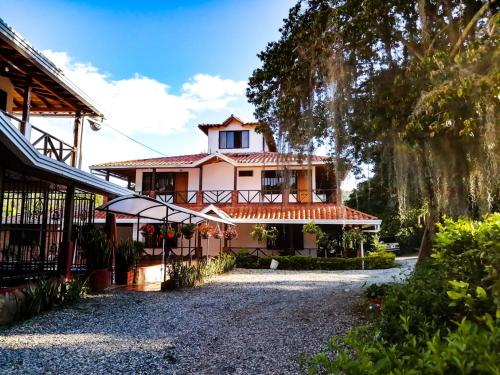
column 244, row 178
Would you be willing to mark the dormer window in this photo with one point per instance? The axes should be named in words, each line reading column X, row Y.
column 233, row 139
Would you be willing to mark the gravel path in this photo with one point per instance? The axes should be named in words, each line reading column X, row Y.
column 244, row 322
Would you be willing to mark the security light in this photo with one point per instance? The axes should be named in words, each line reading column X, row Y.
column 94, row 124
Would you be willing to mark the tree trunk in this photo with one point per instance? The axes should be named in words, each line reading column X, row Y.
column 426, row 243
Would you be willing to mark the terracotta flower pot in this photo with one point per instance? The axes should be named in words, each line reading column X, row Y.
column 124, row 277
column 99, row 280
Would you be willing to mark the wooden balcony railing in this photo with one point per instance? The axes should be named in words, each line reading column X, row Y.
column 244, row 196
column 46, row 143
column 264, row 252
column 176, row 197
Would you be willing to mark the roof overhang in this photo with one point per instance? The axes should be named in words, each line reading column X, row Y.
column 307, row 221
column 52, row 92
column 21, row 148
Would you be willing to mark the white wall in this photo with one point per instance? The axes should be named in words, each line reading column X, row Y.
column 7, row 86
column 218, row 176
column 255, row 141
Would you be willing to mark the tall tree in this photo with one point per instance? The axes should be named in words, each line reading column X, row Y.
column 412, row 83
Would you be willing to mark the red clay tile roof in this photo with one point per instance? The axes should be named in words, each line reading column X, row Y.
column 240, row 157
column 153, row 162
column 265, row 212
column 309, row 212
column 204, row 127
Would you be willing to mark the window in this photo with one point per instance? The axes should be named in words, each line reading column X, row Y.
column 245, row 173
column 233, row 139
column 164, row 182
column 274, row 181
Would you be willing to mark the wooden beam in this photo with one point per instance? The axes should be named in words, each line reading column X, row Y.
column 77, row 141
column 235, row 178
column 37, row 81
column 25, row 125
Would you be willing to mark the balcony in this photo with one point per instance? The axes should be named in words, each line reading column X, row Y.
column 46, row 143
column 244, row 196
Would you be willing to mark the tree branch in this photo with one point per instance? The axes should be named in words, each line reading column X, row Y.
column 469, row 28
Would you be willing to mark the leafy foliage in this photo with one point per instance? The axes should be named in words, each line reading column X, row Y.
column 263, row 233
column 187, row 276
column 441, row 321
column 126, row 256
column 96, row 247
column 47, row 293
column 409, row 86
column 299, row 262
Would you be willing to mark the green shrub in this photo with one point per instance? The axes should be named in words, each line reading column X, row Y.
column 187, row 276
column 470, row 348
column 376, row 290
column 126, row 255
column 301, row 262
column 44, row 294
column 440, row 321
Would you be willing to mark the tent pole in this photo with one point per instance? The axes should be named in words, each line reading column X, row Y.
column 137, row 230
column 163, row 247
column 164, row 234
column 189, row 244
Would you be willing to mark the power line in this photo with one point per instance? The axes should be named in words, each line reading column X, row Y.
column 134, row 140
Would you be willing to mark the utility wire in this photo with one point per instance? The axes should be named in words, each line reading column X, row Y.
column 134, row 140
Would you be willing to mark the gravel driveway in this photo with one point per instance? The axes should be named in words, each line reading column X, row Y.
column 244, row 322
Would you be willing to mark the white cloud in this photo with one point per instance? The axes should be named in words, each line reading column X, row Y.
column 141, row 106
column 212, row 92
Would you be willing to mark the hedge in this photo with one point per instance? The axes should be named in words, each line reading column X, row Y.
column 301, row 262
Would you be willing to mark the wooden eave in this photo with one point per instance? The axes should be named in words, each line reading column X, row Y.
column 52, row 93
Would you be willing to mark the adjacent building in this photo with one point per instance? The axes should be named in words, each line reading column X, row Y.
column 242, row 177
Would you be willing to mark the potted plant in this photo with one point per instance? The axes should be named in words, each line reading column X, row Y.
column 188, row 230
column 258, row 233
column 218, row 234
column 272, row 235
column 230, row 233
column 170, row 232
column 126, row 257
column 206, row 231
column 262, row 234
column 97, row 250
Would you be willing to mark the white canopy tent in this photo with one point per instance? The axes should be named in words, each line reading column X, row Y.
column 154, row 209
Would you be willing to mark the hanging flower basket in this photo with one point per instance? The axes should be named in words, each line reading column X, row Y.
column 217, row 233
column 147, row 230
column 261, row 233
column 188, row 230
column 206, row 231
column 170, row 232
column 230, row 233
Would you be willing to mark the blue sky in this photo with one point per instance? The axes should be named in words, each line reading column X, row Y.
column 169, row 40
column 157, row 68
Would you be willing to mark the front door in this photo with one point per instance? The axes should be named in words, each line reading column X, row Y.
column 181, row 187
